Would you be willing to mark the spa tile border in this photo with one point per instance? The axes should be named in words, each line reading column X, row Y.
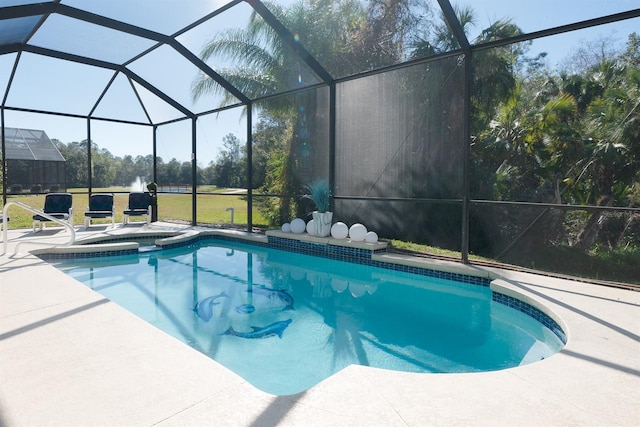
column 58, row 256
column 126, row 238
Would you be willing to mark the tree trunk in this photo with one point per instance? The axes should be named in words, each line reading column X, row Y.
column 589, row 233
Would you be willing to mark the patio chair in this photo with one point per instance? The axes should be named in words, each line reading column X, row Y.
column 139, row 205
column 57, row 205
column 100, row 206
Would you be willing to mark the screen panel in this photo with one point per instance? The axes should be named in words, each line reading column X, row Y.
column 400, row 135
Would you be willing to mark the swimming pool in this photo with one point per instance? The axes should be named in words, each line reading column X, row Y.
column 285, row 321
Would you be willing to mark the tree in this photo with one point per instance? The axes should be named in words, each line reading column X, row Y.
column 438, row 37
column 208, row 174
column 267, row 65
column 589, row 54
column 125, row 173
column 144, row 166
column 494, row 86
column 382, row 37
column 631, row 56
column 75, row 154
column 266, row 141
column 103, row 167
column 185, row 173
column 493, row 69
column 493, row 72
column 613, row 151
column 170, row 172
column 576, row 131
column 230, row 168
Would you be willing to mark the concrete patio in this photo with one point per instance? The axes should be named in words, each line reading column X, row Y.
column 68, row 356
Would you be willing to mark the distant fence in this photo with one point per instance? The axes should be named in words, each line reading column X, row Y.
column 174, row 188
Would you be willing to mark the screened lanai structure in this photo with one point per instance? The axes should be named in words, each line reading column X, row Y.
column 503, row 130
column 33, row 162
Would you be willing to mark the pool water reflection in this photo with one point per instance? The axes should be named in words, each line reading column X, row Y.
column 286, row 321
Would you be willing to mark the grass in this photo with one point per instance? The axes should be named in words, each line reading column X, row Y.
column 433, row 250
column 613, row 265
column 211, row 208
column 608, row 264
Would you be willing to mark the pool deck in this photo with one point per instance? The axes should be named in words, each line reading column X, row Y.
column 70, row 357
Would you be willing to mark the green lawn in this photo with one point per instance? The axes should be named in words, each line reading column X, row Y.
column 211, row 207
column 620, row 265
column 432, row 250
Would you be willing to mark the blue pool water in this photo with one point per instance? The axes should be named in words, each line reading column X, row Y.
column 286, row 321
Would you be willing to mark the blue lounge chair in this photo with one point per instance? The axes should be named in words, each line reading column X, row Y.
column 100, row 206
column 57, row 205
column 139, row 205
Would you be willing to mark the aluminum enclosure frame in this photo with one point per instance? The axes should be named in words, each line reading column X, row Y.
column 46, row 9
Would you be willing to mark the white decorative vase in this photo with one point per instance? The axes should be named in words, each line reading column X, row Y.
column 322, row 223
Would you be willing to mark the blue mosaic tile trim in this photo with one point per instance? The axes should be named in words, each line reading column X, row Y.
column 464, row 278
column 186, row 243
column 531, row 311
column 238, row 240
column 319, row 249
column 199, row 239
column 126, row 239
column 76, row 255
column 363, row 256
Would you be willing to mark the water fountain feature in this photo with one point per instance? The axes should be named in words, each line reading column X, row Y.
column 139, row 185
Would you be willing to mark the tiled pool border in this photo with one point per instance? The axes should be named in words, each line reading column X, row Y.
column 48, row 256
column 340, row 253
column 364, row 257
column 531, row 311
column 129, row 238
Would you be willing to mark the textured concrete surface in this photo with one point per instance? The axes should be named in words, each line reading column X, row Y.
column 70, row 357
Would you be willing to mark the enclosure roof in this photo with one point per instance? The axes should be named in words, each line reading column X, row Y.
column 136, row 61
column 30, row 144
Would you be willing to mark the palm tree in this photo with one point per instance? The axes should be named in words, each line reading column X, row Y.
column 265, row 66
column 441, row 38
column 613, row 151
column 333, row 31
column 582, row 129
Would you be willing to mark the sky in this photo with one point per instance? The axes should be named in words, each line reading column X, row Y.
column 536, row 15
column 45, row 83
